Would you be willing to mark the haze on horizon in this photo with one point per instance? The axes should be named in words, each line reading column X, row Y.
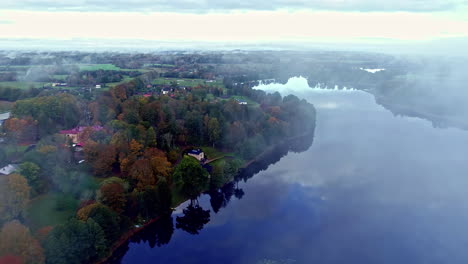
column 298, row 23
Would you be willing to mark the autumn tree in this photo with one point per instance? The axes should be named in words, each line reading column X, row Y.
column 21, row 130
column 10, row 259
column 113, row 195
column 16, row 240
column 142, row 173
column 102, row 157
column 14, row 197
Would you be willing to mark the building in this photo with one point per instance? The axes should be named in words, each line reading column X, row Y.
column 9, row 169
column 241, row 102
column 196, row 153
column 98, row 86
column 165, row 90
column 59, row 84
column 75, row 134
column 4, row 117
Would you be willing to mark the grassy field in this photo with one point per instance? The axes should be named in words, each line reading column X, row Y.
column 125, row 79
column 22, row 85
column 61, row 77
column 106, row 67
column 187, row 82
column 50, row 210
column 212, row 153
column 95, row 67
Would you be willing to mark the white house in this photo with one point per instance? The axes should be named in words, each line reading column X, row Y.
column 4, row 117
column 9, row 169
column 197, row 153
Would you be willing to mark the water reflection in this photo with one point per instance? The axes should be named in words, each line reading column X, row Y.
column 194, row 217
column 373, row 188
column 193, row 220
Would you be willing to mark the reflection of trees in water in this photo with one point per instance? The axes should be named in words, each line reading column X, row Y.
column 194, row 219
column 297, row 145
column 156, row 234
column 219, row 198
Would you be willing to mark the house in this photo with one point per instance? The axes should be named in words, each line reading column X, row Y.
column 165, row 90
column 98, row 86
column 59, row 84
column 75, row 134
column 196, row 153
column 241, row 102
column 4, row 117
column 9, row 169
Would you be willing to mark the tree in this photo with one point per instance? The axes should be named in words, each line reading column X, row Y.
column 75, row 242
column 105, row 217
column 102, row 157
column 16, row 240
column 190, row 178
column 113, row 195
column 151, row 137
column 31, row 172
column 9, row 259
column 14, row 197
column 143, row 174
column 214, row 130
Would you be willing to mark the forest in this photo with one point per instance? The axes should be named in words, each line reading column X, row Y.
column 92, row 165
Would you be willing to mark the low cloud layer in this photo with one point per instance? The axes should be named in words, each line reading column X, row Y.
column 201, row 6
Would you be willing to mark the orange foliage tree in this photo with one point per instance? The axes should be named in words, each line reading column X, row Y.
column 16, row 240
column 14, row 197
column 113, row 195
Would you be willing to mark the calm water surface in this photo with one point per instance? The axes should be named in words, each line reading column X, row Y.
column 372, row 188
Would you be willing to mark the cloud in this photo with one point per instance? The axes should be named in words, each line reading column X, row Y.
column 203, row 6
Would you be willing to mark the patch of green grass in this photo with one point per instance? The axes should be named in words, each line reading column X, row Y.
column 95, row 67
column 212, row 153
column 124, row 80
column 22, row 85
column 50, row 210
column 187, row 82
column 61, row 77
column 156, row 65
column 177, row 197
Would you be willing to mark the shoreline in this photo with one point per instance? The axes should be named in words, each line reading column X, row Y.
column 129, row 234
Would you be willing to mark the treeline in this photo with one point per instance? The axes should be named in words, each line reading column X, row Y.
column 13, row 94
column 97, row 77
column 40, row 116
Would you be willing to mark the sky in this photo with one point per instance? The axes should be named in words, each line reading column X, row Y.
column 227, row 21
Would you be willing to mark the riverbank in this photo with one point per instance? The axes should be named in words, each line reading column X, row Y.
column 249, row 167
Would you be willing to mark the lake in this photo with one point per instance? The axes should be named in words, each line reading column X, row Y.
column 372, row 188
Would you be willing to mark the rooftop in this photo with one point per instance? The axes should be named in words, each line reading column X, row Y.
column 195, row 151
column 8, row 169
